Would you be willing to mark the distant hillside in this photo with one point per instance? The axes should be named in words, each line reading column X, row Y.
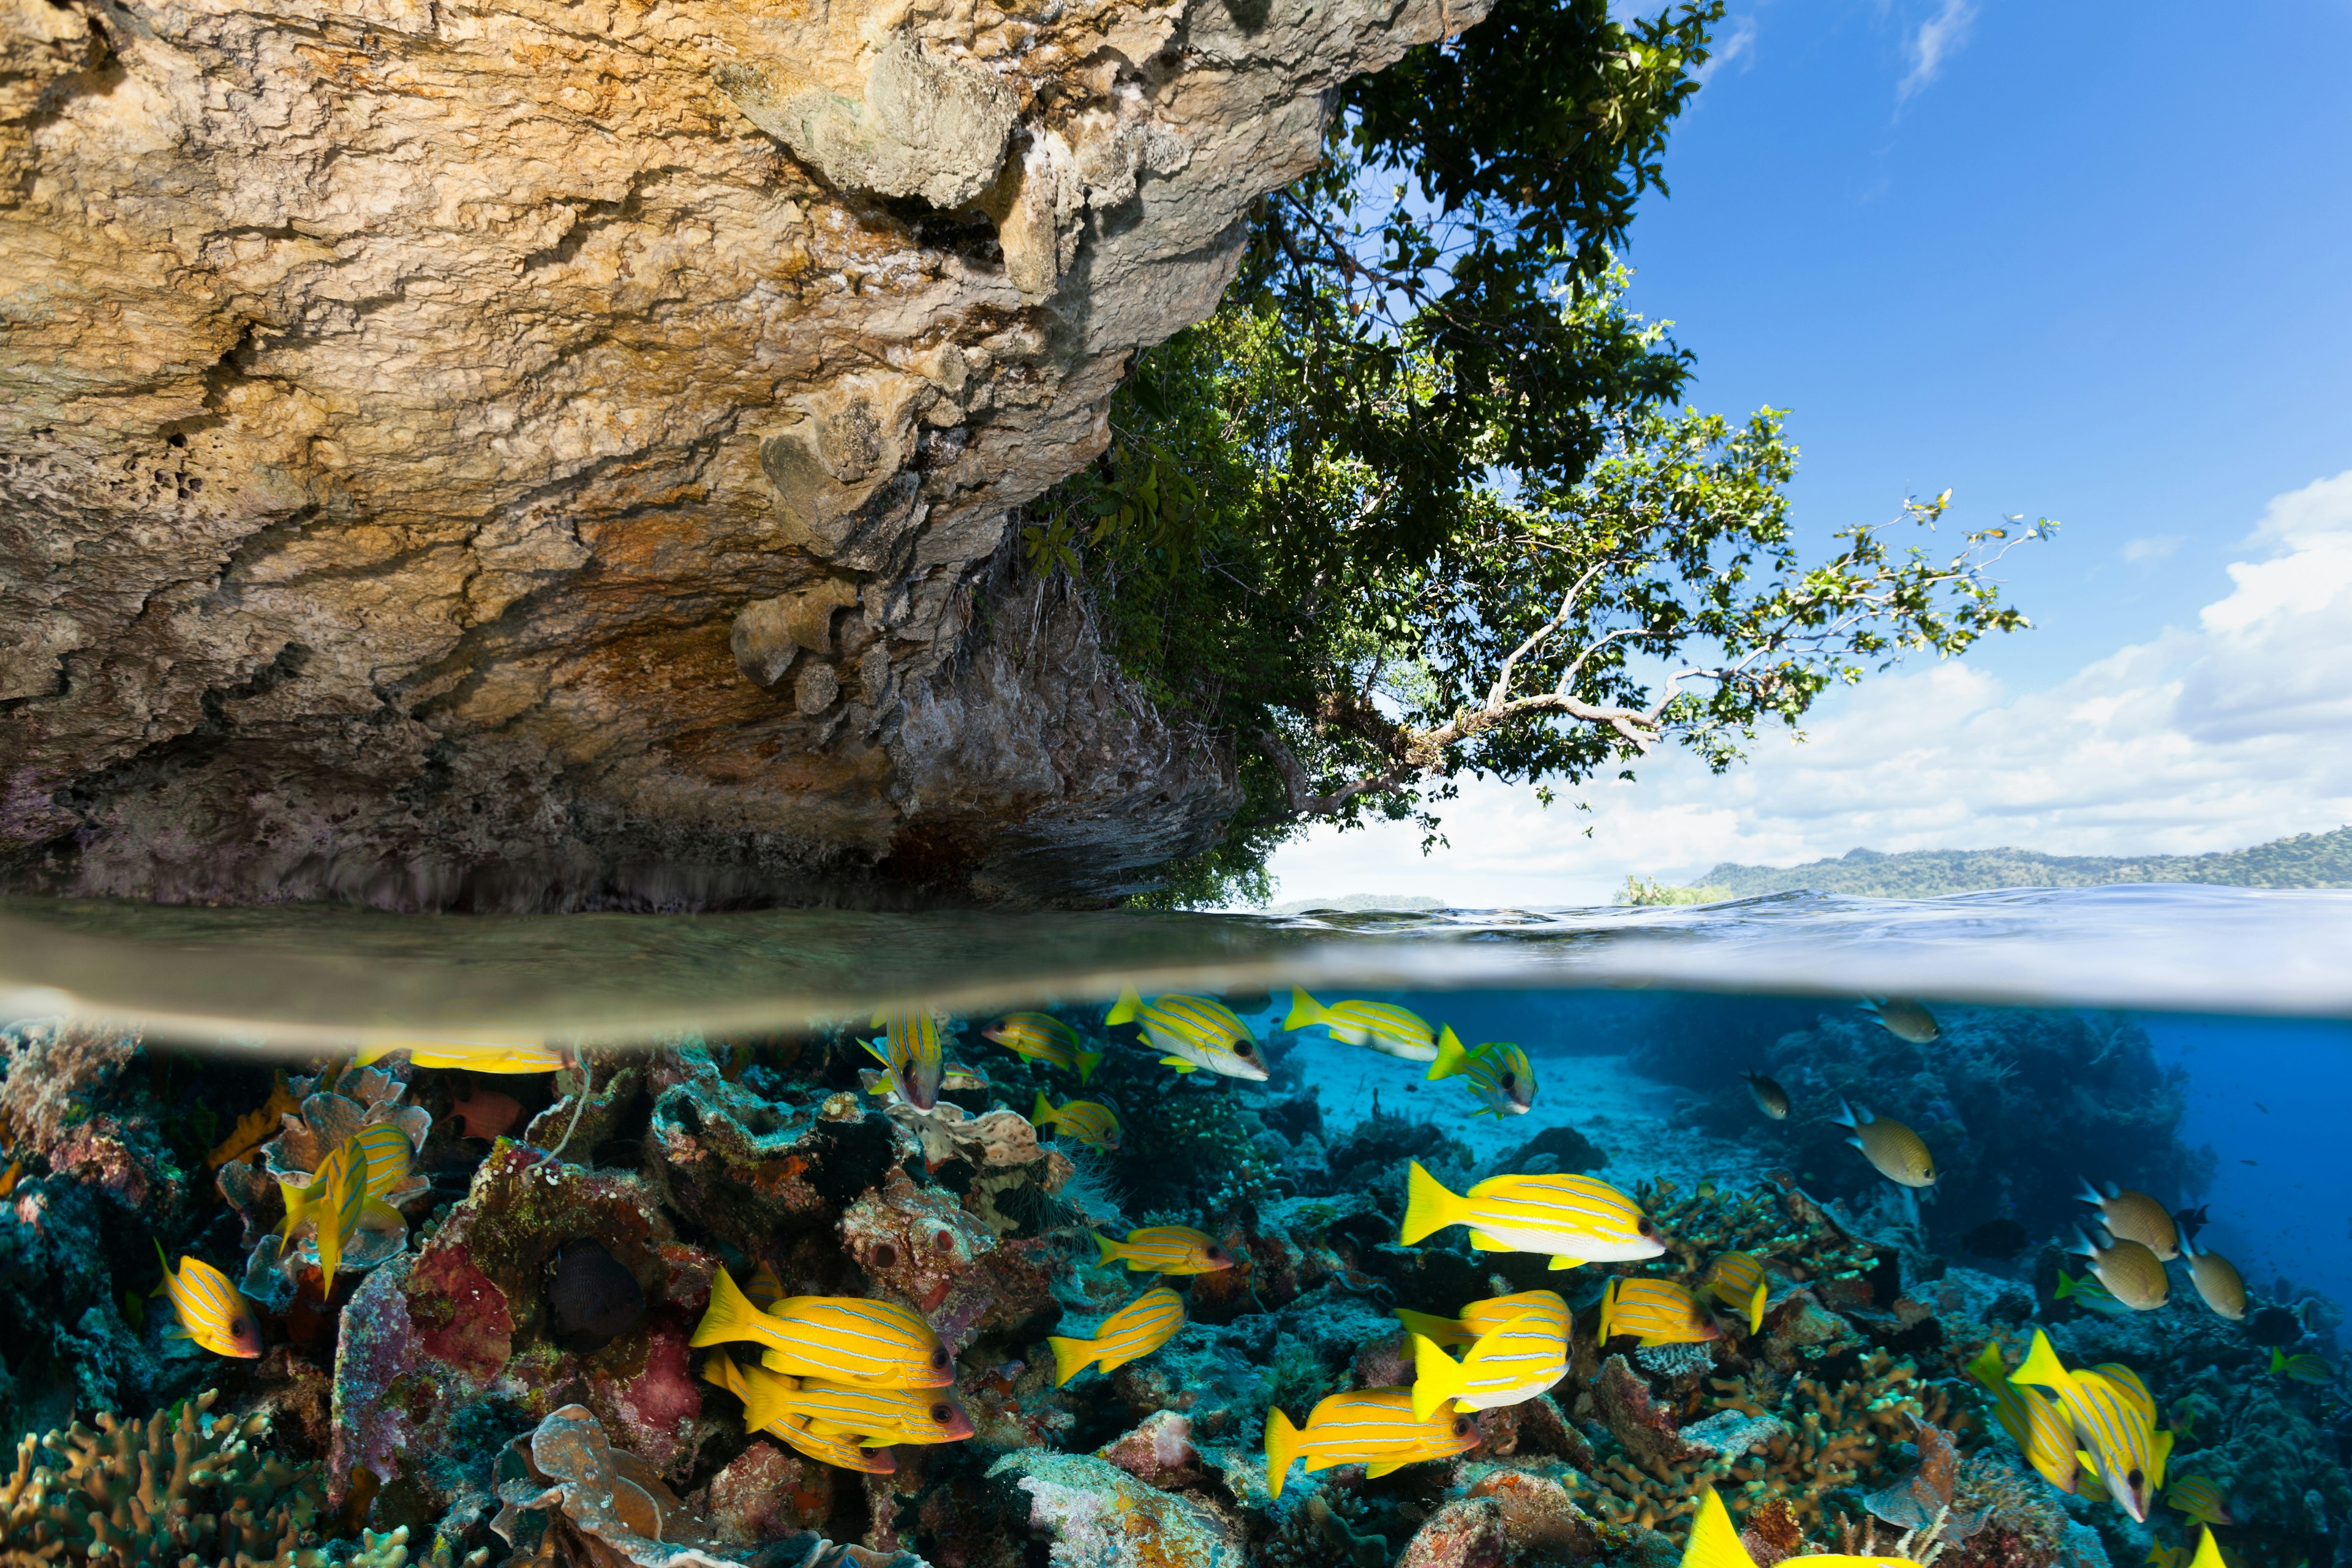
column 2306, row 860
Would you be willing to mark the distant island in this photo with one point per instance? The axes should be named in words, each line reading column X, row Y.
column 2306, row 860
column 1362, row 904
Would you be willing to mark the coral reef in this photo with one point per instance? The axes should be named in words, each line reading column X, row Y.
column 514, row 1381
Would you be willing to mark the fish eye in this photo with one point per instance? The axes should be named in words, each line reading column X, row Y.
column 1243, row 1049
column 1510, row 1079
column 943, row 1413
column 1215, row 1254
column 238, row 1325
column 1462, row 1425
column 939, row 1356
column 1649, row 1228
column 2133, row 1481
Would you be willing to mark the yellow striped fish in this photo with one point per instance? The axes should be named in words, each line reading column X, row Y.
column 1482, row 1317
column 1499, row 1076
column 910, row 1049
column 2034, row 1421
column 1893, row 1151
column 2201, row 1499
column 873, row 1417
column 1655, row 1312
column 482, row 1050
column 841, row 1338
column 389, row 1155
column 335, row 1199
column 211, row 1311
column 1194, row 1031
column 1136, row 1330
column 1373, row 1426
column 1714, row 1543
column 1380, row 1026
column 1575, row 1219
column 1083, row 1120
column 2114, row 1420
column 1042, row 1038
column 1165, row 1250
column 1510, row 1364
column 1737, row 1279
column 840, row 1452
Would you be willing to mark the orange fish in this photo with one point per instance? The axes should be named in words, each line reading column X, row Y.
column 485, row 1113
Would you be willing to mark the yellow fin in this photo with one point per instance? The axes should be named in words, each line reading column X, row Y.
column 1429, row 1206
column 1990, row 1368
column 1281, row 1448
column 1110, row 1249
column 1451, row 1057
column 1714, row 1541
column 1305, row 1011
column 1071, row 1357
column 1045, row 1115
column 2209, row 1555
column 730, row 1317
column 1756, row 1310
column 1088, row 1062
column 1125, row 1009
column 1436, row 1378
column 1557, row 1264
column 1434, row 1329
column 1608, row 1307
column 1179, row 1063
column 2042, row 1366
column 1373, row 1471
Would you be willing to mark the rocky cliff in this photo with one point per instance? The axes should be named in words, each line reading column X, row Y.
column 536, row 454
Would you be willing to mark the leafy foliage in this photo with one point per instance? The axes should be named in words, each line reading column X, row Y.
column 1419, row 499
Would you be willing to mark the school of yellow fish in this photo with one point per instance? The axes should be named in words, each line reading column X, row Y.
column 844, row 1379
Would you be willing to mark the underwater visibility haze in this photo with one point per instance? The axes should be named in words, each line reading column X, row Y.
column 2005, row 1229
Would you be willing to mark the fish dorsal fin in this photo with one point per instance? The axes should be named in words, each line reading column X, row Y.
column 875, row 1049
column 1714, row 1540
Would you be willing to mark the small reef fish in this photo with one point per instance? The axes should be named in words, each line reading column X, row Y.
column 2032, row 1420
column 1737, row 1279
column 2134, row 1217
column 1136, row 1330
column 871, row 1417
column 1082, row 1119
column 2090, row 1295
column 1484, row 1317
column 751, row 1384
column 2113, row 1421
column 485, row 1113
column 1905, row 1019
column 1388, row 1030
column 489, row 1051
column 2304, row 1368
column 1374, row 1428
column 212, row 1313
column 2191, row 1221
column 1770, row 1098
column 840, row 1338
column 1576, row 1219
column 1194, row 1032
column 1042, row 1037
column 1499, row 1076
column 1714, row 1543
column 1508, row 1364
column 909, row 1050
column 253, row 1129
column 1655, row 1312
column 333, row 1202
column 2201, row 1499
column 2217, row 1280
column 593, row 1297
column 2131, row 1273
column 1165, row 1250
column 1893, row 1151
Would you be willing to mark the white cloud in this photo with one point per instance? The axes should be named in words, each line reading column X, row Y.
column 2226, row 733
column 2156, row 547
column 1739, row 45
column 1938, row 39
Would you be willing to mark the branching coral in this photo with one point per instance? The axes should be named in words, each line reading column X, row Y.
column 1780, row 1229
column 195, row 1489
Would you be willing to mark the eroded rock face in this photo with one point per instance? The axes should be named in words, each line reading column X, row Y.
column 539, row 454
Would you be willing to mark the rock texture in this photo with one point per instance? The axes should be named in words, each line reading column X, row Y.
column 537, row 454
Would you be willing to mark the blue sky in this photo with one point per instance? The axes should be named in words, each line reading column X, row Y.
column 2087, row 261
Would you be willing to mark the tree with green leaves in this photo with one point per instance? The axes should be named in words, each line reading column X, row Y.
column 1419, row 501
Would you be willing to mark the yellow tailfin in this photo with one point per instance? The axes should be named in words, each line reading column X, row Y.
column 2042, row 1366
column 1305, row 1011
column 1714, row 1542
column 1110, row 1249
column 1428, row 1206
column 1071, row 1357
column 1436, row 1378
column 1451, row 1056
column 1044, row 1115
column 1990, row 1368
column 1281, row 1447
column 1434, row 1329
column 2208, row 1554
column 767, row 1397
column 1088, row 1062
column 730, row 1317
column 1756, row 1310
column 1125, row 1009
column 1607, row 1305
